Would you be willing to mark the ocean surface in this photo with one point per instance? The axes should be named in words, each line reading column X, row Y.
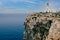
column 11, row 26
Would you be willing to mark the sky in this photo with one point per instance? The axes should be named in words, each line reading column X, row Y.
column 27, row 6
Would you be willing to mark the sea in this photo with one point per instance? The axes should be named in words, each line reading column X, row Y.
column 12, row 26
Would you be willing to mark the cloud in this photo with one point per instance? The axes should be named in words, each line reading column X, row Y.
column 1, row 3
column 9, row 6
column 27, row 1
column 12, row 10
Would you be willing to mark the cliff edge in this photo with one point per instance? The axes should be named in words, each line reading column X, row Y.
column 42, row 26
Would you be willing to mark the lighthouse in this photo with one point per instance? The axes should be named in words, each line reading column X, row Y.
column 48, row 7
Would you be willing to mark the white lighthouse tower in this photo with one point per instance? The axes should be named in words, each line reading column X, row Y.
column 49, row 7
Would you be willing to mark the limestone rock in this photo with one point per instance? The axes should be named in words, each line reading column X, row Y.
column 42, row 26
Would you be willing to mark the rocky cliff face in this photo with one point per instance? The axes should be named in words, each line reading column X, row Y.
column 42, row 26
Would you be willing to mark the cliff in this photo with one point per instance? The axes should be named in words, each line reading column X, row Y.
column 42, row 26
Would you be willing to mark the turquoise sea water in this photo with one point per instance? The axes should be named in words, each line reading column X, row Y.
column 11, row 26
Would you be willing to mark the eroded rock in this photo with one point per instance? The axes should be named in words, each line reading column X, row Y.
column 42, row 26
